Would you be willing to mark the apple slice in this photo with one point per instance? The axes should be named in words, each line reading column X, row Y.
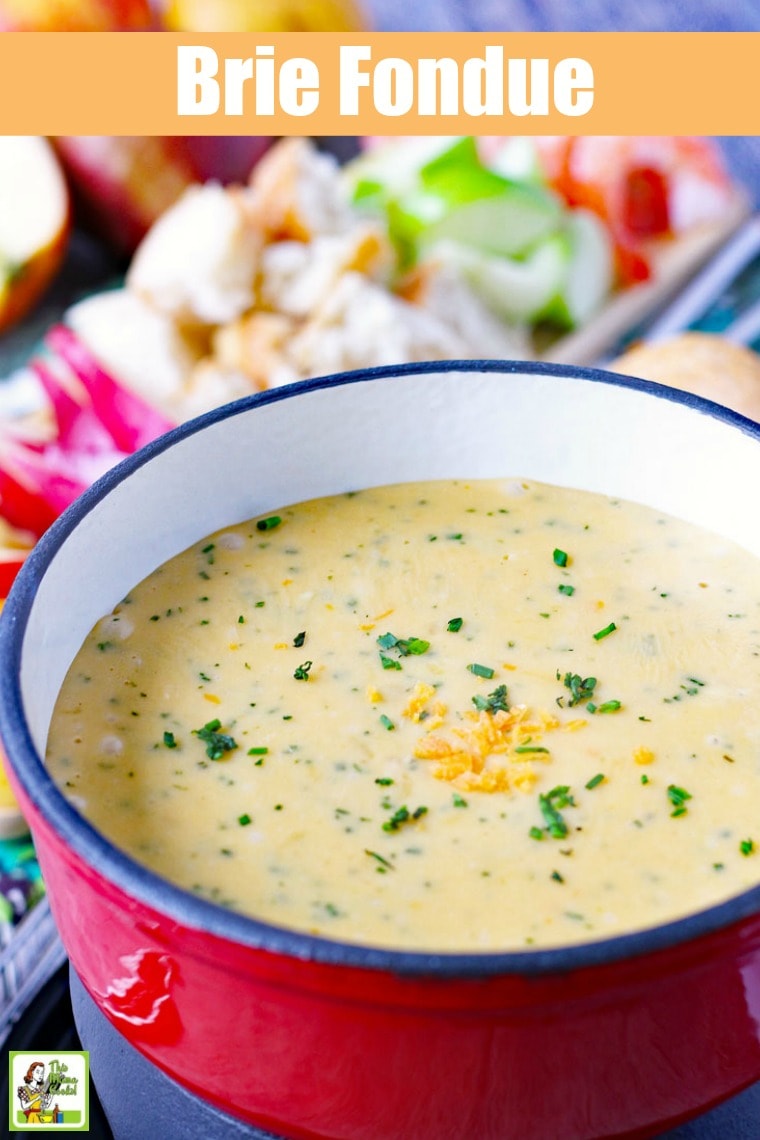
column 76, row 16
column 34, row 222
column 123, row 184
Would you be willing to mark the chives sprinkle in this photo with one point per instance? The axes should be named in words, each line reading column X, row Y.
column 608, row 629
column 268, row 523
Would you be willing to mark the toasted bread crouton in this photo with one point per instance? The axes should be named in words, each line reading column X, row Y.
column 138, row 344
column 198, row 263
column 256, row 346
column 702, row 363
column 298, row 193
column 209, row 386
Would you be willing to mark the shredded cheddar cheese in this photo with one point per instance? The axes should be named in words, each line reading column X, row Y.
column 465, row 753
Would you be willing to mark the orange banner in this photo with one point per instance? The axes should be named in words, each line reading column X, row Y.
column 164, row 83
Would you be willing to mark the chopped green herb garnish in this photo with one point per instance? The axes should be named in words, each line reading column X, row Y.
column 169, row 740
column 405, row 646
column 581, row 688
column 536, row 833
column 644, row 778
column 268, row 523
column 520, row 748
column 557, row 877
column 609, row 706
column 401, row 816
column 747, row 846
column 566, row 589
column 550, row 804
column 482, row 671
column 299, row 639
column 459, row 801
column 244, row 819
column 608, row 629
column 302, row 672
column 595, row 781
column 384, row 781
column 415, row 645
column 494, row 702
column 386, row 722
column 678, row 797
column 260, row 750
column 560, row 557
column 385, row 865
column 455, row 624
column 217, row 743
column 690, row 690
column 561, row 794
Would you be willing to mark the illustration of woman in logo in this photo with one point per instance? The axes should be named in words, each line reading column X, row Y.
column 33, row 1094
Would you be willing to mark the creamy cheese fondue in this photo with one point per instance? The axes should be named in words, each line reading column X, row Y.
column 448, row 715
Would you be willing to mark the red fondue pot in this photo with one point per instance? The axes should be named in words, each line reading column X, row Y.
column 312, row 1038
